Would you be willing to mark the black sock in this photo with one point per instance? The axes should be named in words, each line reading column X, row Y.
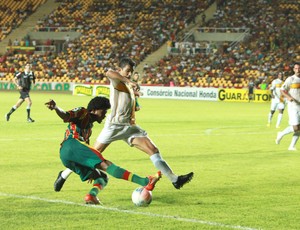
column 28, row 113
column 11, row 111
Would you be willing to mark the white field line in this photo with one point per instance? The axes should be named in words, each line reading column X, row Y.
column 131, row 212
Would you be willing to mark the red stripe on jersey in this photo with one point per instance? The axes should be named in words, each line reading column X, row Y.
column 75, row 134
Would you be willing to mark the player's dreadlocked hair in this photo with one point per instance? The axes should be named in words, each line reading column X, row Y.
column 98, row 103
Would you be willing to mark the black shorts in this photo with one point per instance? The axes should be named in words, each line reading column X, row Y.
column 24, row 94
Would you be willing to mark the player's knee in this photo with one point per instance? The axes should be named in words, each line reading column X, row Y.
column 296, row 128
column 155, row 150
column 99, row 174
column 150, row 149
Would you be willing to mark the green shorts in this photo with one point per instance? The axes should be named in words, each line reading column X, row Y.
column 80, row 157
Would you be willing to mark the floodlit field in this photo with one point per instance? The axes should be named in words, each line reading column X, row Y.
column 242, row 179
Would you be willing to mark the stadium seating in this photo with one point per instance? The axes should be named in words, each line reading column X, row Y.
column 272, row 47
column 114, row 28
column 14, row 12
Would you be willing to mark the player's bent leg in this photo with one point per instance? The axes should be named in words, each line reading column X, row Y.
column 183, row 179
column 295, row 138
column 278, row 138
column 99, row 184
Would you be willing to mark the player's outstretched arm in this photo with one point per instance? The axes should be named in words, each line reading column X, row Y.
column 60, row 112
column 112, row 74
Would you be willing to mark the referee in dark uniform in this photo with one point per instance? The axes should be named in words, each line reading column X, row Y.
column 23, row 81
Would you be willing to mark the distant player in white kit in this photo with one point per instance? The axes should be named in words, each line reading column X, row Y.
column 278, row 100
column 291, row 90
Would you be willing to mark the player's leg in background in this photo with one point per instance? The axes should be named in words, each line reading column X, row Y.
column 28, row 109
column 281, row 134
column 270, row 116
column 279, row 118
column 14, row 108
column 272, row 111
column 295, row 138
column 294, row 123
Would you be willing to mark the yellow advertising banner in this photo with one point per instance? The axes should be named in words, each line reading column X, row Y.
column 241, row 95
column 86, row 90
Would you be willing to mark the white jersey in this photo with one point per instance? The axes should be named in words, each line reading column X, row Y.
column 120, row 123
column 292, row 86
column 122, row 102
column 275, row 88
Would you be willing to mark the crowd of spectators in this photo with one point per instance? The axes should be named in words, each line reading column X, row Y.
column 114, row 28
column 14, row 12
column 109, row 30
column 272, row 46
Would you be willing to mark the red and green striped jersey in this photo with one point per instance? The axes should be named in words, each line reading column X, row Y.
column 80, row 124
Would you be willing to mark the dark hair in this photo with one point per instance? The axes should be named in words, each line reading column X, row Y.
column 126, row 61
column 98, row 103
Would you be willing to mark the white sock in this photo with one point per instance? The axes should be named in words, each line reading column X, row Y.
column 279, row 118
column 66, row 173
column 294, row 140
column 161, row 165
column 287, row 130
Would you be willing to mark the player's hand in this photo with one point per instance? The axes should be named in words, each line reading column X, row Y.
column 51, row 104
column 138, row 88
column 20, row 87
column 135, row 86
column 132, row 84
column 138, row 93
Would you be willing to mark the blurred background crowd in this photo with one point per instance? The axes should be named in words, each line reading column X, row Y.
column 161, row 29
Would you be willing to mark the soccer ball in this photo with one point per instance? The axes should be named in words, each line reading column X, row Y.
column 141, row 197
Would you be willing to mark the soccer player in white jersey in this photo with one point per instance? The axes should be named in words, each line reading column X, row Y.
column 121, row 125
column 278, row 101
column 291, row 90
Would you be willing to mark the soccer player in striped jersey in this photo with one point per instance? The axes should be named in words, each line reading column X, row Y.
column 291, row 90
column 121, row 124
column 77, row 155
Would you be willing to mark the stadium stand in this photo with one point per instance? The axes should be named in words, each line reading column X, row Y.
column 109, row 29
column 14, row 12
column 114, row 28
column 272, row 46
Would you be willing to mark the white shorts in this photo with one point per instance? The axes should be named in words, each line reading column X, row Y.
column 294, row 115
column 276, row 104
column 115, row 132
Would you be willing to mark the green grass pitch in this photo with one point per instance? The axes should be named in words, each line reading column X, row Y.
column 242, row 179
